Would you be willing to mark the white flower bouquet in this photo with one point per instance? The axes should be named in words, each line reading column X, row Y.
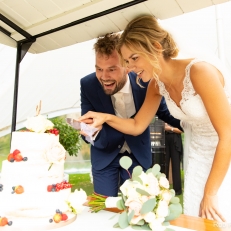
column 76, row 200
column 146, row 202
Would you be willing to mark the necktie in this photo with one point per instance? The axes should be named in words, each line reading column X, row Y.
column 120, row 109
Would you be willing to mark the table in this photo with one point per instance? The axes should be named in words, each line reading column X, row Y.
column 190, row 222
column 105, row 219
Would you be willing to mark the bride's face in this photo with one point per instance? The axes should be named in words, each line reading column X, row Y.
column 137, row 63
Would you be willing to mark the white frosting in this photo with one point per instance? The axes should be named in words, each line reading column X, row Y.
column 34, row 176
column 32, row 145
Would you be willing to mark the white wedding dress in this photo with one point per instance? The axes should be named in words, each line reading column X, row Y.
column 200, row 143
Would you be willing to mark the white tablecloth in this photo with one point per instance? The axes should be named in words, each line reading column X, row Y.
column 101, row 221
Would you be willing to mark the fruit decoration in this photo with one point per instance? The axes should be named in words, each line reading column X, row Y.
column 54, row 131
column 4, row 221
column 59, row 216
column 16, row 156
column 59, row 186
column 18, row 189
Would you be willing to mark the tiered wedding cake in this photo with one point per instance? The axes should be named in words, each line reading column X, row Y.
column 32, row 186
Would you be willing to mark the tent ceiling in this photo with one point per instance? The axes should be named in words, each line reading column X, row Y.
column 37, row 17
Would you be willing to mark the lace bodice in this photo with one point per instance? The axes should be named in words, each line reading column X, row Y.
column 191, row 108
column 200, row 140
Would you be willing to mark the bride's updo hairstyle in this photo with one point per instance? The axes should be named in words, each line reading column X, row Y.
column 143, row 35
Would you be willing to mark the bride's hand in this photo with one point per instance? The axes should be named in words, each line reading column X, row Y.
column 95, row 119
column 209, row 208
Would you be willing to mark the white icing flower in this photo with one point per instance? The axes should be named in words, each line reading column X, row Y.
column 55, row 155
column 39, row 124
column 76, row 200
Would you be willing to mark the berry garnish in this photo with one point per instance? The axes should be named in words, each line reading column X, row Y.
column 25, row 159
column 19, row 189
column 10, row 157
column 3, row 221
column 18, row 157
column 57, row 217
column 49, row 188
column 64, row 217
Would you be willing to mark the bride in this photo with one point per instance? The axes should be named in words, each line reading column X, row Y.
column 196, row 92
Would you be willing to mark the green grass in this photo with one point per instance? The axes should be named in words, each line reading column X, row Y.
column 81, row 181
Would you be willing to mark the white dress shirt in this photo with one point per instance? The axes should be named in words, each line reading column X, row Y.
column 129, row 106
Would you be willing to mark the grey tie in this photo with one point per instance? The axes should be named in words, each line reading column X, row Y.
column 120, row 109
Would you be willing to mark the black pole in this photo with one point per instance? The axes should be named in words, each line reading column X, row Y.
column 16, row 81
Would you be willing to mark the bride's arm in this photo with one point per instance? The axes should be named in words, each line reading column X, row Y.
column 133, row 126
column 208, row 83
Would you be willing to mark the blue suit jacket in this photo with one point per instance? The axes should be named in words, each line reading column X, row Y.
column 109, row 141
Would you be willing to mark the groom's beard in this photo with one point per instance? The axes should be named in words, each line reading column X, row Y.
column 118, row 85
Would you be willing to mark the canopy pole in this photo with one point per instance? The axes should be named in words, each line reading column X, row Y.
column 22, row 49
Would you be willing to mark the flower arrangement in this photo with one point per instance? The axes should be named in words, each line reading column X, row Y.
column 69, row 138
column 76, row 200
column 146, row 202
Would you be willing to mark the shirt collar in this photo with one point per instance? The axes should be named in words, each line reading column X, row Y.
column 127, row 87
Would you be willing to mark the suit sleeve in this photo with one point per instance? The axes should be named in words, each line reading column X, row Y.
column 85, row 107
column 164, row 114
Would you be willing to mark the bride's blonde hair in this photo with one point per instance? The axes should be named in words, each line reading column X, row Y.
column 145, row 36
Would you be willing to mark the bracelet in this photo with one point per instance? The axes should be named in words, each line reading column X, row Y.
column 172, row 129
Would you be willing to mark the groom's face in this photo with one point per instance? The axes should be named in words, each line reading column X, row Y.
column 110, row 73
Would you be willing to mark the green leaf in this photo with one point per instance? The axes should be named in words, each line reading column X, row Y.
column 136, row 178
column 162, row 175
column 148, row 206
column 125, row 162
column 156, row 169
column 142, row 192
column 141, row 222
column 143, row 227
column 116, row 225
column 120, row 204
column 68, row 136
column 130, row 216
column 165, row 223
column 136, row 171
column 123, row 220
column 175, row 200
column 149, row 170
column 174, row 211
column 113, row 217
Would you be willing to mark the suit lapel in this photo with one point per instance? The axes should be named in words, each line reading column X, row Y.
column 106, row 101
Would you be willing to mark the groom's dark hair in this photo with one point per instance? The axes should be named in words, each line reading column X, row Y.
column 107, row 44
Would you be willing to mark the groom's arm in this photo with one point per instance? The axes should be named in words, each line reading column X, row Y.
column 164, row 114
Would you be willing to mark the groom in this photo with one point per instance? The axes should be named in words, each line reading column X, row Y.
column 99, row 92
